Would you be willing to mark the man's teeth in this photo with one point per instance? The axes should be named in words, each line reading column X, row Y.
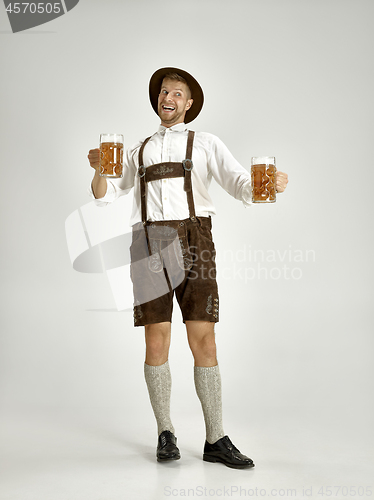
column 168, row 108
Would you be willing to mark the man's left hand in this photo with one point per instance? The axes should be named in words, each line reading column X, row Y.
column 282, row 181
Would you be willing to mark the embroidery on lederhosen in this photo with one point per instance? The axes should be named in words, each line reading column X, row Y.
column 155, row 262
column 165, row 234
column 182, row 253
column 209, row 306
column 212, row 308
column 162, row 170
column 159, row 235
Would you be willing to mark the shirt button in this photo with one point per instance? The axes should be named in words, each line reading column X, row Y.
column 165, row 198
column 164, row 181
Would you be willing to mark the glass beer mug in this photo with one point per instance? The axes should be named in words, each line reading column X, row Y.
column 263, row 177
column 111, row 155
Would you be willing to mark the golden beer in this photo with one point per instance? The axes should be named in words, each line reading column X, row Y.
column 111, row 155
column 263, row 177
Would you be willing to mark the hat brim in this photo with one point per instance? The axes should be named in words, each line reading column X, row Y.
column 196, row 91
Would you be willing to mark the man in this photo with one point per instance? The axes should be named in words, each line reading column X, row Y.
column 171, row 172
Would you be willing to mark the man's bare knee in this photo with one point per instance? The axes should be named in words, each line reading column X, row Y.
column 157, row 339
column 201, row 338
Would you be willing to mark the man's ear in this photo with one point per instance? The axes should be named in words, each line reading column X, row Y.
column 189, row 104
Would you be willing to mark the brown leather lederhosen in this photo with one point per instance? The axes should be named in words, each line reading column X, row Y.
column 163, row 261
column 167, row 170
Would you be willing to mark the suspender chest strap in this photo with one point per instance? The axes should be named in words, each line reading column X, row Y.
column 167, row 170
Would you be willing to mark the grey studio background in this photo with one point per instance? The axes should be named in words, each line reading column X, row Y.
column 288, row 78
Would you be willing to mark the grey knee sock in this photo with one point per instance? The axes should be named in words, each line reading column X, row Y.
column 208, row 388
column 158, row 380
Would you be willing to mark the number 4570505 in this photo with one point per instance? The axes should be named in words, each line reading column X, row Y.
column 34, row 8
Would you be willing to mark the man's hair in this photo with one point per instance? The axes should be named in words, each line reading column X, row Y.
column 179, row 78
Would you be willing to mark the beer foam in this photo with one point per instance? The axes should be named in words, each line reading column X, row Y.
column 263, row 160
column 111, row 137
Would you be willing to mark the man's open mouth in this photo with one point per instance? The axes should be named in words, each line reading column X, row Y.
column 168, row 108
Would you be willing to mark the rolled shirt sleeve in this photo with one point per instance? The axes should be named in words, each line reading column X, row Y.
column 229, row 173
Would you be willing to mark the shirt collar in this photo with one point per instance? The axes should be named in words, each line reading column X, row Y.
column 179, row 127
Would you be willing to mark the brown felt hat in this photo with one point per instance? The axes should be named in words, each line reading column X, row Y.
column 196, row 91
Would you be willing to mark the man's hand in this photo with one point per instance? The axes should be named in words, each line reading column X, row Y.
column 282, row 181
column 94, row 158
column 99, row 185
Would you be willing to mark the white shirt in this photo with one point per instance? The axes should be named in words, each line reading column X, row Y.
column 166, row 198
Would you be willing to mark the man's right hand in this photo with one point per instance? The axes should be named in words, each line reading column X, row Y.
column 94, row 158
column 99, row 185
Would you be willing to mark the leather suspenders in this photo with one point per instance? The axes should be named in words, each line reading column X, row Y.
column 167, row 170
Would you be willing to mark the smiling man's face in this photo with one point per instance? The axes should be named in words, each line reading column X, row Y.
column 174, row 101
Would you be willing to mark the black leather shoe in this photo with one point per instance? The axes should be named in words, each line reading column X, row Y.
column 167, row 447
column 225, row 452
